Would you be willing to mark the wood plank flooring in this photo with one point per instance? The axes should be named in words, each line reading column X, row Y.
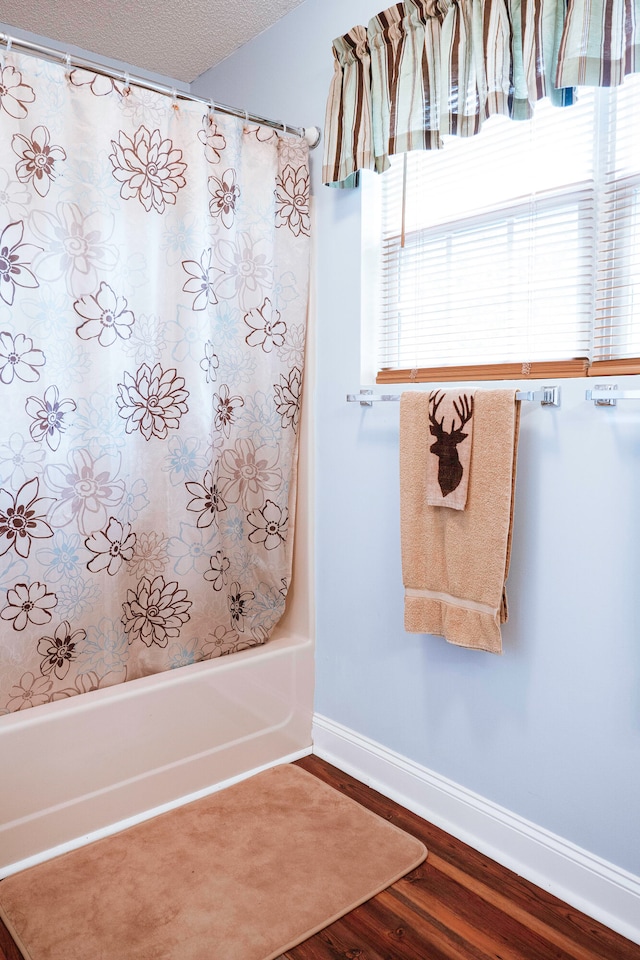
column 458, row 905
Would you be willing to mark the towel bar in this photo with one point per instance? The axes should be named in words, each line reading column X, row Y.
column 606, row 395
column 547, row 397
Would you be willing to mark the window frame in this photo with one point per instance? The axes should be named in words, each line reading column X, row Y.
column 371, row 294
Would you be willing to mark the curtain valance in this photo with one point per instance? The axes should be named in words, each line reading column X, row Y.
column 424, row 68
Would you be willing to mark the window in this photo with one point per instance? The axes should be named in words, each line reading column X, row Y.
column 517, row 250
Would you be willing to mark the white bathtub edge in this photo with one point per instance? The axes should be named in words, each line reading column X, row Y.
column 273, row 649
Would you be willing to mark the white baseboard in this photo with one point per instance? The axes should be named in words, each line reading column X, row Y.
column 588, row 883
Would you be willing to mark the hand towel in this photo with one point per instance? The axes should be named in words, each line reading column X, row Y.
column 450, row 453
column 455, row 562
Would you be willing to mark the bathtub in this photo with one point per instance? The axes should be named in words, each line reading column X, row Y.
column 78, row 769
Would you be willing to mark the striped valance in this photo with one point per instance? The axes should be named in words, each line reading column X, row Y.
column 424, row 68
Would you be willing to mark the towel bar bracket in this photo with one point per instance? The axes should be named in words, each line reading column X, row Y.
column 601, row 395
column 547, row 397
column 366, row 398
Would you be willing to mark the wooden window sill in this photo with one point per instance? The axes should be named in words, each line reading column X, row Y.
column 501, row 371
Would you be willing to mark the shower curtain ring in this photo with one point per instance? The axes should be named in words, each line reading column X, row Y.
column 126, row 90
column 174, row 100
column 67, row 61
column 7, row 51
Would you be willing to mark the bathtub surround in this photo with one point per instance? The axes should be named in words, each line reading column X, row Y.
column 152, row 338
column 455, row 562
column 244, row 875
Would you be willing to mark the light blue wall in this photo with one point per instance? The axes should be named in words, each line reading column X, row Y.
column 550, row 730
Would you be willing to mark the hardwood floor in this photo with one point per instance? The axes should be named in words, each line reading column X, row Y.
column 458, row 905
column 8, row 949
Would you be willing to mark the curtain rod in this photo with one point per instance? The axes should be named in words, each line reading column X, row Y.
column 310, row 134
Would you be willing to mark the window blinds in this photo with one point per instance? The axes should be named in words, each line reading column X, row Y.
column 519, row 245
column 617, row 307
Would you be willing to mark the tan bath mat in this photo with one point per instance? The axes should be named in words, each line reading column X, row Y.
column 243, row 874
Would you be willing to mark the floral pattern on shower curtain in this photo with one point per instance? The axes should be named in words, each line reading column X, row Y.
column 153, row 297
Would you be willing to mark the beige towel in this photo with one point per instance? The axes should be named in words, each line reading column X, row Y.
column 455, row 563
column 449, row 460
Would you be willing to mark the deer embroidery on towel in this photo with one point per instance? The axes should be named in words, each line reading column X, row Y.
column 450, row 469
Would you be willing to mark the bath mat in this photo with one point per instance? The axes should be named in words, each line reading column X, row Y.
column 243, row 874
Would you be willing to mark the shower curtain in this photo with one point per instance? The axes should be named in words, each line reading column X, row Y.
column 153, row 296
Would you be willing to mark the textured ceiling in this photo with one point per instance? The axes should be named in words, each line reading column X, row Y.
column 175, row 39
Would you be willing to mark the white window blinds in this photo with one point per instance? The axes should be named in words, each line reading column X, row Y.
column 521, row 244
column 617, row 308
